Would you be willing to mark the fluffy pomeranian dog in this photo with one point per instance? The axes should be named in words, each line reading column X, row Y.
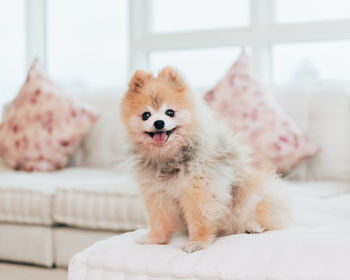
column 192, row 171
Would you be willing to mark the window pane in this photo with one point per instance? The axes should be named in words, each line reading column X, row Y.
column 184, row 15
column 87, row 42
column 12, row 49
column 200, row 67
column 311, row 61
column 311, row 10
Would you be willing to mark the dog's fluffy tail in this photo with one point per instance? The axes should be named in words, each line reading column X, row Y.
column 269, row 194
column 274, row 209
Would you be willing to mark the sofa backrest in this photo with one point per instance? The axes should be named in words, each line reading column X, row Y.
column 103, row 146
column 321, row 110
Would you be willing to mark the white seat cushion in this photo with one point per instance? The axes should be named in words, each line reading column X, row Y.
column 83, row 197
column 316, row 246
column 99, row 199
column 26, row 197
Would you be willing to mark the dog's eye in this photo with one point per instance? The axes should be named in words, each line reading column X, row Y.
column 146, row 115
column 170, row 113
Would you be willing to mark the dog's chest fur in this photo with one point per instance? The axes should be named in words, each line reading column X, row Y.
column 165, row 169
column 171, row 171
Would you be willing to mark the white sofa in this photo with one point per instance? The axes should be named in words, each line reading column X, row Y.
column 45, row 218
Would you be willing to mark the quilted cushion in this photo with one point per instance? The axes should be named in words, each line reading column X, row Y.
column 315, row 246
column 26, row 197
column 251, row 111
column 81, row 197
column 42, row 127
column 104, row 199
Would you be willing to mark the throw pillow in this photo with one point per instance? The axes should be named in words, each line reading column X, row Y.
column 251, row 111
column 42, row 127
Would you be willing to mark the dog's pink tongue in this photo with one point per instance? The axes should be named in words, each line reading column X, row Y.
column 160, row 137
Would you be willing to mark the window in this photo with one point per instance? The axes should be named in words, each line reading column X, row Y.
column 311, row 10
column 99, row 43
column 190, row 35
column 87, row 42
column 184, row 15
column 12, row 49
column 311, row 61
column 290, row 41
column 191, row 63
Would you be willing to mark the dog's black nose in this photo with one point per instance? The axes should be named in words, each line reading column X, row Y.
column 159, row 124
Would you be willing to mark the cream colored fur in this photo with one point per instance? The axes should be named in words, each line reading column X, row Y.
column 210, row 184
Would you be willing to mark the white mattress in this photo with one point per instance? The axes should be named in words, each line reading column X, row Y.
column 316, row 246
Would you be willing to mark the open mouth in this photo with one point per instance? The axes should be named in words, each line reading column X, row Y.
column 160, row 137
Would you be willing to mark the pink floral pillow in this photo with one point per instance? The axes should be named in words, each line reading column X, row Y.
column 253, row 113
column 41, row 127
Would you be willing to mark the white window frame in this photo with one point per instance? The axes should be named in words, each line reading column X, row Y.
column 36, row 45
column 261, row 34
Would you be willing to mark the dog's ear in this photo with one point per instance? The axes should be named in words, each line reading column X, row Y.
column 138, row 80
column 172, row 76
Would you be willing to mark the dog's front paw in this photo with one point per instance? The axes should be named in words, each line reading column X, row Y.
column 254, row 228
column 149, row 239
column 193, row 246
